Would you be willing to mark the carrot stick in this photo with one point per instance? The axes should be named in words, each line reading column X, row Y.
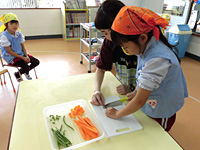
column 80, row 118
column 90, row 123
column 88, row 137
column 86, row 119
column 90, row 133
column 89, row 128
column 80, row 129
column 82, row 122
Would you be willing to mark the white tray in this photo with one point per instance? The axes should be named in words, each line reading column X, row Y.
column 74, row 136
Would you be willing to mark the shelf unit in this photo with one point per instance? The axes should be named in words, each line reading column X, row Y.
column 72, row 16
column 87, row 41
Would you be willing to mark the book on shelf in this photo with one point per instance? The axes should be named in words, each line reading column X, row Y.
column 70, row 33
column 75, row 4
column 73, row 32
column 76, row 17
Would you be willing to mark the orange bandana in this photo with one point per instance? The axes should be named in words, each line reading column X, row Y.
column 133, row 20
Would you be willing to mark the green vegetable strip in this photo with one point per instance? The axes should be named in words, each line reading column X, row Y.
column 61, row 128
column 58, row 143
column 58, row 138
column 61, row 139
column 66, row 123
column 64, row 132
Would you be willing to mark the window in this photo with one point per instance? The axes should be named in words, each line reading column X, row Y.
column 174, row 7
column 194, row 17
column 31, row 3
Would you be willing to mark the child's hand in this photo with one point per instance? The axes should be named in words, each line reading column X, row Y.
column 123, row 89
column 26, row 59
column 131, row 95
column 29, row 60
column 111, row 112
column 97, row 98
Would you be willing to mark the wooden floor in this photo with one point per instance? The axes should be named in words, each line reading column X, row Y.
column 59, row 58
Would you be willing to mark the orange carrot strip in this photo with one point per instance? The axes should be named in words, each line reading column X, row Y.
column 80, row 118
column 90, row 123
column 80, row 129
column 86, row 119
column 82, row 122
column 88, row 137
column 89, row 128
column 90, row 133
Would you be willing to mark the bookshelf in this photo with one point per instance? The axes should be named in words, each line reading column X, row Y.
column 74, row 12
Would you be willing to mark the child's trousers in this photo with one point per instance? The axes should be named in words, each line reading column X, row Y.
column 25, row 68
column 166, row 123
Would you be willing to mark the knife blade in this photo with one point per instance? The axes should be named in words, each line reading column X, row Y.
column 116, row 103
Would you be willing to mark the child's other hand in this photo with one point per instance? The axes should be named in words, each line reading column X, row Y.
column 26, row 59
column 123, row 89
column 131, row 95
column 29, row 60
column 97, row 99
column 111, row 112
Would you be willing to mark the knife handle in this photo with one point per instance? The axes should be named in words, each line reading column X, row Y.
column 123, row 99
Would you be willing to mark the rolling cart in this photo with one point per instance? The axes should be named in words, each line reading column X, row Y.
column 91, row 43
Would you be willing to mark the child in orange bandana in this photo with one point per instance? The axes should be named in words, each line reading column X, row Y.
column 161, row 86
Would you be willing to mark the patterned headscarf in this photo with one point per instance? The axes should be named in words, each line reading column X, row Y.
column 133, row 20
column 5, row 18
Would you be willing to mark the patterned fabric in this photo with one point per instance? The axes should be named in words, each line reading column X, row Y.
column 124, row 75
column 133, row 20
column 168, row 98
column 5, row 42
column 125, row 65
column 15, row 46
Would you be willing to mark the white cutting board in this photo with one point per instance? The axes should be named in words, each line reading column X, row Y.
column 113, row 127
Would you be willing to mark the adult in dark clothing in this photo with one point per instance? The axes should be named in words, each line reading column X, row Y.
column 112, row 57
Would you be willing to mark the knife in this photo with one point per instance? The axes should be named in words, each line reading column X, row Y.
column 115, row 103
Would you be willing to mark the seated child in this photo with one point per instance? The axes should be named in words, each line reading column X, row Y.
column 12, row 47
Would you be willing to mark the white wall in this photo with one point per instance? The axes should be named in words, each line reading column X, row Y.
column 131, row 2
column 154, row 5
column 194, row 46
column 34, row 22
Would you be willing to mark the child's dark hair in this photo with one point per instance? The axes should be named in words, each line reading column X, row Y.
column 12, row 21
column 118, row 39
column 106, row 13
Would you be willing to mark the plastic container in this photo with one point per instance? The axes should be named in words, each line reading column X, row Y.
column 73, row 135
column 179, row 35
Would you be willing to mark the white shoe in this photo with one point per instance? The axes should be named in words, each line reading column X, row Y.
column 28, row 77
column 18, row 79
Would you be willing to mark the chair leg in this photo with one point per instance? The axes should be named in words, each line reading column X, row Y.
column 1, row 80
column 4, row 78
column 35, row 74
column 11, row 82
